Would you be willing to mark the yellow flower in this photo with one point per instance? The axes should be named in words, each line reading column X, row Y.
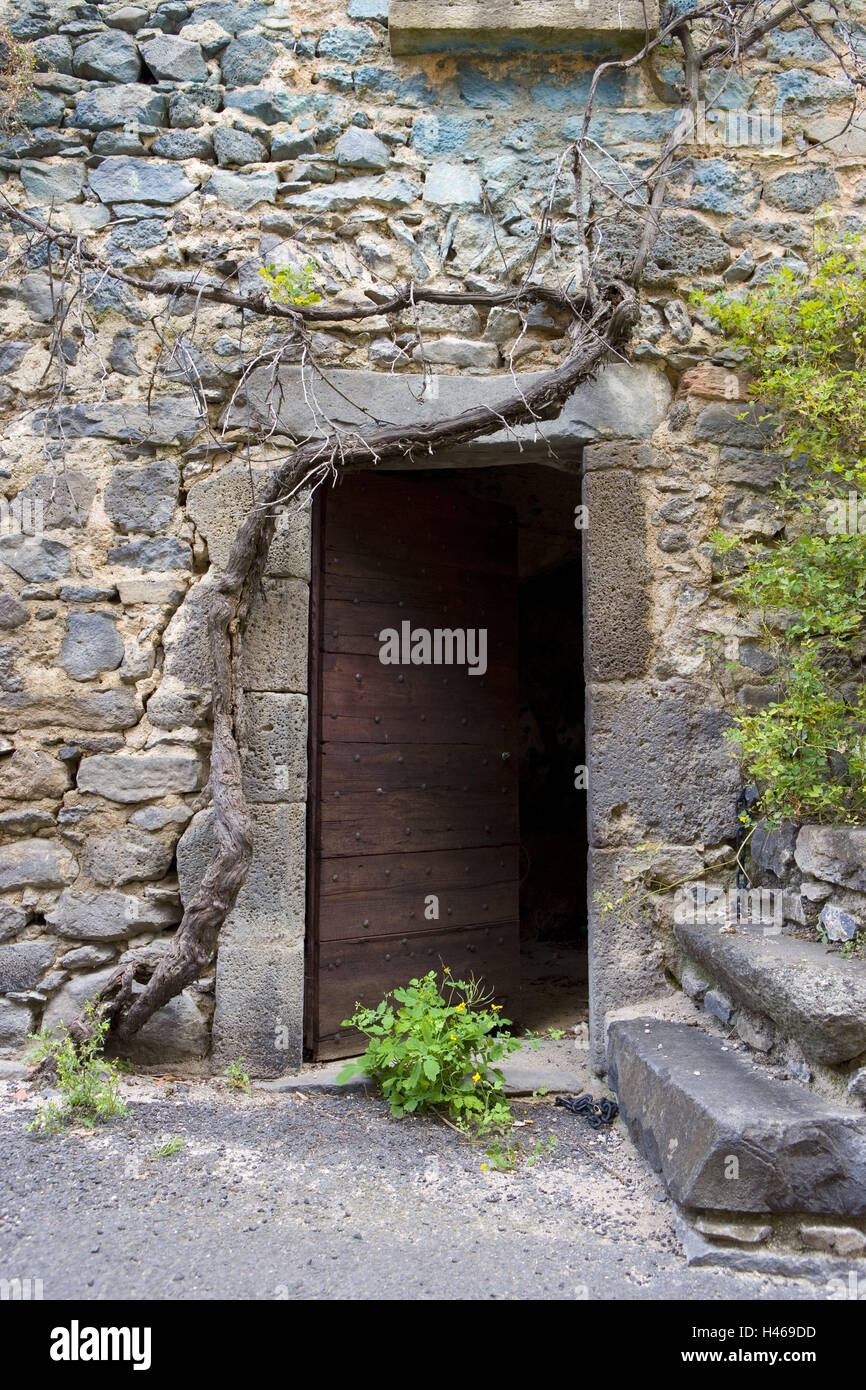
column 460, row 1008
column 477, row 1076
column 484, row 1167
column 447, row 969
column 453, row 1037
column 495, row 1007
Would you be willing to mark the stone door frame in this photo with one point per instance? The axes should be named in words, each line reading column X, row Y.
column 260, row 982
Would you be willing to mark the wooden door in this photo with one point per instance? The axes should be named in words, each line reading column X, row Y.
column 414, row 792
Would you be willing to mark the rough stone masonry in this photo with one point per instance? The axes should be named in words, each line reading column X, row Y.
column 213, row 138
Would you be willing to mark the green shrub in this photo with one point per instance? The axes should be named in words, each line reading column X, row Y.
column 427, row 1050
column 89, row 1085
column 806, row 343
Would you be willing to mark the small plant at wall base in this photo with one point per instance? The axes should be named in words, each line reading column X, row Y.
column 437, row 1046
column 806, row 343
column 88, row 1084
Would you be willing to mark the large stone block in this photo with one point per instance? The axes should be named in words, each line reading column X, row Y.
column 416, row 26
column 128, row 777
column 271, row 904
column 84, row 916
column 659, row 768
column 29, row 775
column 616, row 577
column 622, row 402
column 164, row 420
column 817, row 998
column 126, row 855
column 16, row 1022
column 91, row 645
column 22, row 964
column 274, row 761
column 178, row 1032
column 143, row 497
column 218, row 504
column 259, row 1008
column 68, row 1003
column 35, row 864
column 837, row 853
column 626, row 958
column 125, row 179
column 724, row 1136
column 275, row 641
column 108, row 710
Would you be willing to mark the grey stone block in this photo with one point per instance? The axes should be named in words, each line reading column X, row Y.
column 275, row 641
column 838, row 925
column 86, row 916
column 66, row 498
column 361, row 149
column 813, row 996
column 616, row 576
column 274, row 761
column 836, row 853
column 107, row 108
column 35, row 864
column 129, row 777
column 68, row 1003
column 52, row 183
column 242, row 191
column 22, row 964
column 29, row 775
column 13, row 920
column 112, row 709
column 626, row 953
column 123, row 179
column 724, row 1136
column 246, row 60
column 161, row 553
column 166, row 420
column 773, row 850
column 126, row 855
column 237, row 147
column 16, row 1022
column 12, row 613
column 623, row 401
column 111, row 57
column 143, row 498
column 259, row 1008
column 660, row 766
column 722, row 424
column 35, row 560
column 270, row 907
column 415, row 26
column 178, row 1032
column 175, row 60
column 91, row 645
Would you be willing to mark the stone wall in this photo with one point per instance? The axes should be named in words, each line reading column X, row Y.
column 211, row 139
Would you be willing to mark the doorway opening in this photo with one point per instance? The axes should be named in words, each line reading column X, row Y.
column 554, row 989
column 447, row 813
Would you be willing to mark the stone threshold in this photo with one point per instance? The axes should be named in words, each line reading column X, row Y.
column 830, row 1271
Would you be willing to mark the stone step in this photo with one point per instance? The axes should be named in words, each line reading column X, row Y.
column 725, row 1136
column 811, row 994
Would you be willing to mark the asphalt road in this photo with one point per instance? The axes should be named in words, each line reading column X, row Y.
column 327, row 1197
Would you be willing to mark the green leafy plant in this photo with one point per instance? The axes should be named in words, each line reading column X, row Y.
column 290, row 285
column 89, row 1085
column 805, row 341
column 437, row 1047
column 172, row 1145
column 237, row 1078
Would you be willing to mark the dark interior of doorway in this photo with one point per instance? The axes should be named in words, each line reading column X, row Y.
column 553, row 830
